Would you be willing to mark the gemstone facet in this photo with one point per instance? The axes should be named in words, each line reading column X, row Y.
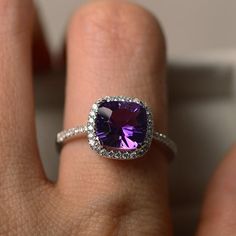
column 121, row 125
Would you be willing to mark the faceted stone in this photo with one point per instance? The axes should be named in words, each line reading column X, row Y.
column 121, row 125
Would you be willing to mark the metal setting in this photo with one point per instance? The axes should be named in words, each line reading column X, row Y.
column 117, row 154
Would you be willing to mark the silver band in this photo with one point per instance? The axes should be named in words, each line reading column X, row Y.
column 71, row 133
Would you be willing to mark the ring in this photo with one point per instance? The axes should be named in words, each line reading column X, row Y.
column 119, row 128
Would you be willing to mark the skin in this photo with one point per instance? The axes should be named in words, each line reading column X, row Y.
column 112, row 47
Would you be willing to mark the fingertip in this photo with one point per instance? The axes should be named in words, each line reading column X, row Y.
column 224, row 176
column 218, row 212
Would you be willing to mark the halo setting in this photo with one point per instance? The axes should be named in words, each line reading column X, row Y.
column 119, row 128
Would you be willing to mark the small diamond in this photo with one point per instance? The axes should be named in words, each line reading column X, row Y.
column 90, row 127
column 111, row 153
column 76, row 131
column 91, row 142
column 91, row 120
column 118, row 155
column 102, row 151
column 126, row 155
column 92, row 113
column 95, row 106
column 133, row 155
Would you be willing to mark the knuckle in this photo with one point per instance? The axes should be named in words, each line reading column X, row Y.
column 116, row 25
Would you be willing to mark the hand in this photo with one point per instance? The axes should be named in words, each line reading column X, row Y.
column 113, row 48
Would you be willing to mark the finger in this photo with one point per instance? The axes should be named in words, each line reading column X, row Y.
column 218, row 217
column 18, row 156
column 115, row 48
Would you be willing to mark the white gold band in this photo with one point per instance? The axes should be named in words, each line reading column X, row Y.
column 71, row 133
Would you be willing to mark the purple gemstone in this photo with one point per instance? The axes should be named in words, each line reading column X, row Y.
column 121, row 125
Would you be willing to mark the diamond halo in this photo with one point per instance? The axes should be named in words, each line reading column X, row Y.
column 95, row 143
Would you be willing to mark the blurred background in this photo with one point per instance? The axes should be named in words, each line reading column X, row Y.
column 201, row 39
column 190, row 26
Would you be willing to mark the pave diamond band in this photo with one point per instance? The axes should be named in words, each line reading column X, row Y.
column 78, row 131
column 64, row 135
column 119, row 128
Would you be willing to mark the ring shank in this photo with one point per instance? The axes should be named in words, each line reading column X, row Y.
column 65, row 135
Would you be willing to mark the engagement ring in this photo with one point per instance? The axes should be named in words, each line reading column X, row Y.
column 119, row 128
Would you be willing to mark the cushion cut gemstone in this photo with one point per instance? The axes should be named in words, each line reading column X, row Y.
column 121, row 125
